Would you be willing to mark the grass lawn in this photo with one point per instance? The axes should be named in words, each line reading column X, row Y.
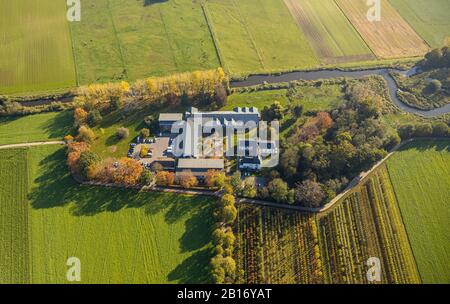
column 33, row 128
column 258, row 36
column 420, row 175
column 428, row 17
column 131, row 39
column 331, row 34
column 120, row 236
column 322, row 98
column 36, row 52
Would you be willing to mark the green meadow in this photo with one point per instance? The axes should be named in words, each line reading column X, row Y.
column 120, row 236
column 428, row 17
column 258, row 36
column 37, row 127
column 420, row 175
column 36, row 50
column 132, row 39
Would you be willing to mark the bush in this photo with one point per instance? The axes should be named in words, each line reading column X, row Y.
column 434, row 86
column 85, row 134
column 441, row 129
column 147, row 178
column 187, row 180
column 423, row 130
column 122, row 133
column 145, row 133
column 86, row 160
column 164, row 178
column 94, row 118
column 144, row 152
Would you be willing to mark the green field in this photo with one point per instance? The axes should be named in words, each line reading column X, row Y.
column 130, row 39
column 428, row 17
column 36, row 52
column 331, row 34
column 120, row 236
column 420, row 175
column 312, row 98
column 258, row 36
column 33, row 128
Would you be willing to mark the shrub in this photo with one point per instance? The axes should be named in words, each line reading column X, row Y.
column 441, row 129
column 128, row 172
column 434, row 86
column 122, row 133
column 145, row 133
column 187, row 180
column 164, row 178
column 86, row 160
column 147, row 178
column 423, row 130
column 85, row 134
column 94, row 118
column 144, row 152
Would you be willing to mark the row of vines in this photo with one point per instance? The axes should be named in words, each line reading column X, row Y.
column 279, row 246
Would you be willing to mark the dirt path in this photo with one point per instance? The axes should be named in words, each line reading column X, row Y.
column 32, row 144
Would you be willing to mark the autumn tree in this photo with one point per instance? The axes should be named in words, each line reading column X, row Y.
column 187, row 180
column 165, row 178
column 128, row 172
column 85, row 134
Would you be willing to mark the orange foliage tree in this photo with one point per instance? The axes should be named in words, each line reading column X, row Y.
column 128, row 172
column 187, row 180
column 164, row 178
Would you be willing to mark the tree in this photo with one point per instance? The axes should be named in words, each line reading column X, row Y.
column 145, row 133
column 278, row 190
column 441, row 129
column 249, row 190
column 298, row 110
column 323, row 121
column 229, row 266
column 310, row 194
column 214, row 178
column 220, row 95
column 187, row 180
column 122, row 133
column 236, row 182
column 434, row 86
column 406, row 131
column 85, row 134
column 217, row 271
column 144, row 151
column 229, row 214
column 128, row 172
column 227, row 200
column 423, row 130
column 86, row 160
column 228, row 239
column 274, row 112
column 218, row 236
column 146, row 178
column 94, row 118
column 79, row 116
column 164, row 178
column 115, row 102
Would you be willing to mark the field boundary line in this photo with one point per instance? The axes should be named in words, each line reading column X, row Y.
column 119, row 45
column 172, row 52
column 215, row 40
column 354, row 27
column 252, row 40
column 72, row 43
